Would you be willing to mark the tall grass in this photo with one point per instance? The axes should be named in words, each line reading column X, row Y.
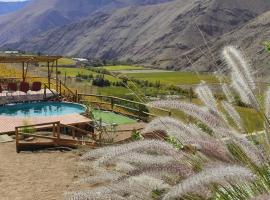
column 220, row 162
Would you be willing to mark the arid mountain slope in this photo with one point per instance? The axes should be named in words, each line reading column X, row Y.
column 7, row 7
column 251, row 38
column 159, row 35
column 42, row 15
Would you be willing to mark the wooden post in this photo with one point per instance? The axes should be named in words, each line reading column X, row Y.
column 57, row 78
column 60, row 88
column 58, row 130
column 112, row 103
column 17, row 140
column 54, row 135
column 23, row 76
column 73, row 133
column 49, row 74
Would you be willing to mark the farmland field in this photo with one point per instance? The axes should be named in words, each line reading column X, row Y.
column 251, row 118
column 175, row 78
column 122, row 67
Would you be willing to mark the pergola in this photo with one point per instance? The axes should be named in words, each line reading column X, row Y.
column 52, row 61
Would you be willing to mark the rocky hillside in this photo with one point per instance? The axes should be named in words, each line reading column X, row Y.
column 7, row 7
column 42, row 15
column 251, row 38
column 163, row 35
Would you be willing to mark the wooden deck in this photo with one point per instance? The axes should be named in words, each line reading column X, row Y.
column 8, row 124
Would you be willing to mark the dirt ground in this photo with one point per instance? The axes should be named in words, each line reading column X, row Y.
column 36, row 176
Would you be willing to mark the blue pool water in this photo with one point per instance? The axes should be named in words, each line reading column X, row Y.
column 41, row 109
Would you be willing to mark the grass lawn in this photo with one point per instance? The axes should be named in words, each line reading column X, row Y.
column 112, row 118
column 122, row 67
column 66, row 61
column 175, row 78
column 72, row 72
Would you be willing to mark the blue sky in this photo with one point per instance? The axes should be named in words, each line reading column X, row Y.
column 11, row 0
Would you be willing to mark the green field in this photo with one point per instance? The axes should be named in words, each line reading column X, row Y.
column 112, row 118
column 121, row 67
column 73, row 72
column 175, row 78
column 66, row 61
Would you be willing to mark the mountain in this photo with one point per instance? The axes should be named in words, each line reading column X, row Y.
column 251, row 38
column 7, row 7
column 164, row 35
column 42, row 15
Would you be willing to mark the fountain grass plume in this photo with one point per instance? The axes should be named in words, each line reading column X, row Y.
column 261, row 197
column 219, row 175
column 139, row 146
column 267, row 103
column 226, row 90
column 175, row 168
column 233, row 114
column 192, row 110
column 143, row 146
column 206, row 95
column 103, row 177
column 144, row 159
column 190, row 135
column 242, row 78
column 239, row 66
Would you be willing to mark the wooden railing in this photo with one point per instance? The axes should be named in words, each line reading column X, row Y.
column 124, row 106
column 56, row 139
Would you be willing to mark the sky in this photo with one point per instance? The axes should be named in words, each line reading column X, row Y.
column 11, row 0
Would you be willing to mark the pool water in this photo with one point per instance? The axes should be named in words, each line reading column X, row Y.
column 41, row 109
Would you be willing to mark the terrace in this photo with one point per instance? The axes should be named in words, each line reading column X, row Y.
column 58, row 114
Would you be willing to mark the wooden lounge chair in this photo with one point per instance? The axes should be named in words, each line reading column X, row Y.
column 24, row 87
column 36, row 86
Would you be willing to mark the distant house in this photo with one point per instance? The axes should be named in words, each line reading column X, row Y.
column 80, row 59
column 11, row 52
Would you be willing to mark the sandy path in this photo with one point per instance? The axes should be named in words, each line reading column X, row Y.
column 35, row 176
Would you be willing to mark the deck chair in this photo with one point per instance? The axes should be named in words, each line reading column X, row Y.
column 36, row 86
column 12, row 87
column 24, row 87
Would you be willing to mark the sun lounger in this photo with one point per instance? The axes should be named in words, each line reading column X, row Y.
column 36, row 86
column 24, row 87
column 12, row 87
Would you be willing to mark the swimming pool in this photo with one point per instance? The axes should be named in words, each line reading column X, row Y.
column 41, row 109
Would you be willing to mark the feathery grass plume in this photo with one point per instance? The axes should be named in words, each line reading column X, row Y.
column 246, row 94
column 128, row 189
column 160, row 147
column 123, row 167
column 218, row 175
column 175, row 128
column 144, row 159
column 242, row 79
column 188, row 134
column 206, row 95
column 233, row 114
column 178, row 169
column 249, row 150
column 168, row 123
column 226, row 90
column 262, row 197
column 103, row 177
column 149, row 182
column 236, row 61
column 214, row 149
column 192, row 110
column 267, row 103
